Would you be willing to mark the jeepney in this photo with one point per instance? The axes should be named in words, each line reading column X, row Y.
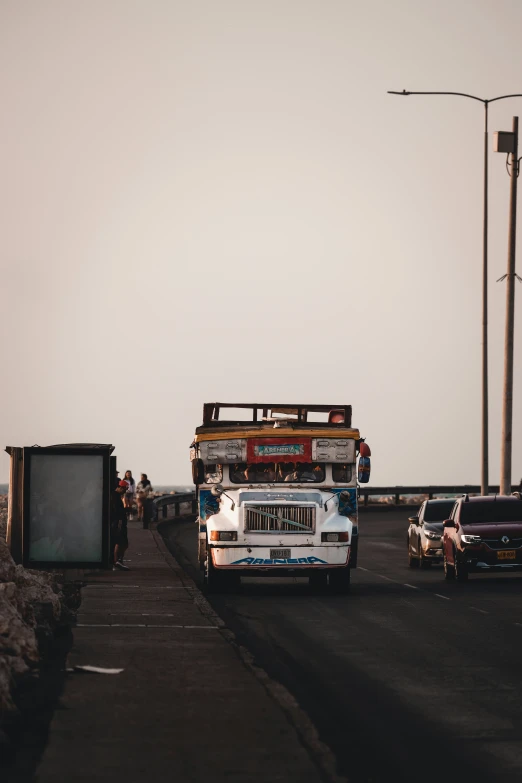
column 277, row 492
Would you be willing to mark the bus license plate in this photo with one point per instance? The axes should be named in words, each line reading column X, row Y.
column 280, row 554
column 508, row 554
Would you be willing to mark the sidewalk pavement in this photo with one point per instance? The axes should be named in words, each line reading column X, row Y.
column 185, row 708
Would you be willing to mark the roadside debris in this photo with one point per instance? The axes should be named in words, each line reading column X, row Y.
column 94, row 670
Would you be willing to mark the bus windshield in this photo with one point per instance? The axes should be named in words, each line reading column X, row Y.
column 277, row 472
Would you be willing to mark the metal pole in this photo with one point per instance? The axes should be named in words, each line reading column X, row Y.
column 507, row 400
column 484, row 485
column 484, row 488
column 485, row 401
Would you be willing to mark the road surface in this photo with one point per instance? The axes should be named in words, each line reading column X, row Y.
column 408, row 677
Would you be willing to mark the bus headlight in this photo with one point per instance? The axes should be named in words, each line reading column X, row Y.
column 334, row 537
column 223, row 535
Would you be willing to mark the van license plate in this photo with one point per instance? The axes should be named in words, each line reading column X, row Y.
column 280, row 554
column 507, row 554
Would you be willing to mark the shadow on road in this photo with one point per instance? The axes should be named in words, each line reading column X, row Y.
column 320, row 647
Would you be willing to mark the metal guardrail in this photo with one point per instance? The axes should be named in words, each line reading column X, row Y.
column 162, row 503
column 423, row 489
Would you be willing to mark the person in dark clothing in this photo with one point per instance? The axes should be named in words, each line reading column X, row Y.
column 119, row 539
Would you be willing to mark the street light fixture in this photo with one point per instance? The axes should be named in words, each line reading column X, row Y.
column 485, row 101
column 508, row 143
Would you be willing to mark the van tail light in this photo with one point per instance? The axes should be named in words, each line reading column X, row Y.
column 334, row 537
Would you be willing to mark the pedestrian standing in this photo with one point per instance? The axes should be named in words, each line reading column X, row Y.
column 143, row 490
column 118, row 527
column 130, row 494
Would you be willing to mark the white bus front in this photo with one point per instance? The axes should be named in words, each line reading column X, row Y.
column 279, row 516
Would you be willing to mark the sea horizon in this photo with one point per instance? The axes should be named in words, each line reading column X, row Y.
column 165, row 489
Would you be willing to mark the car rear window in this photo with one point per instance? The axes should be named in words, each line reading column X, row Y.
column 491, row 511
column 438, row 512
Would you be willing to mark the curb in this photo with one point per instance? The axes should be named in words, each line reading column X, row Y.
column 319, row 752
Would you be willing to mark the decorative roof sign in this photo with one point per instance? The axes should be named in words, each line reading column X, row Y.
column 279, row 450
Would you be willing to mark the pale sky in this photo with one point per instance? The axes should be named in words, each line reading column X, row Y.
column 217, row 200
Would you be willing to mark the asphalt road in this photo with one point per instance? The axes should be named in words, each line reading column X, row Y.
column 406, row 678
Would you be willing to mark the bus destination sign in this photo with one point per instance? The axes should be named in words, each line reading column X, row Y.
column 279, row 450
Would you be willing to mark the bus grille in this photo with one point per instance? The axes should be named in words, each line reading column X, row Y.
column 256, row 519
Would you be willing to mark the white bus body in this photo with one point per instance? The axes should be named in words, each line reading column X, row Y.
column 277, row 497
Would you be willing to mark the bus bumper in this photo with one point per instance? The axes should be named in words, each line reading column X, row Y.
column 263, row 558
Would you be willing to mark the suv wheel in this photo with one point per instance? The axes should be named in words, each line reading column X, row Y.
column 413, row 561
column 449, row 570
column 461, row 569
column 423, row 561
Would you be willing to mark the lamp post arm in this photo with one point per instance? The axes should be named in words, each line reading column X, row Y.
column 502, row 97
column 461, row 94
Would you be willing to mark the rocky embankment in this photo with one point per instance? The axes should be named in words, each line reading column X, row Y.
column 33, row 606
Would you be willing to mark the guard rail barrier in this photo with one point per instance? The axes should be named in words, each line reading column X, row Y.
column 162, row 503
column 422, row 489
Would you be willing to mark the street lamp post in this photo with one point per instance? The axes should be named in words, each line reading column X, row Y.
column 484, row 482
column 508, row 143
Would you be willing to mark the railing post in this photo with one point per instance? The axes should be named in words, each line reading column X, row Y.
column 176, row 509
column 164, row 512
column 397, row 500
column 194, row 506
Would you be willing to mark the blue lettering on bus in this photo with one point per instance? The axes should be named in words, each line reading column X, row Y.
column 285, row 561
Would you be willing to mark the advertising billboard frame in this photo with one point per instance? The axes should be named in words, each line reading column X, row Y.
column 88, row 451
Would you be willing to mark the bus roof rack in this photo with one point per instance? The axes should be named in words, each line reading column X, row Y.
column 298, row 414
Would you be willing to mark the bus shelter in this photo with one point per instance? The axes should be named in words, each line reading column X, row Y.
column 59, row 505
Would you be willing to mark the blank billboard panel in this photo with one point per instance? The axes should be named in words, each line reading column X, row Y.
column 66, row 495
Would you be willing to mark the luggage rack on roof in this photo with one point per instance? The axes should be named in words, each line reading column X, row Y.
column 263, row 412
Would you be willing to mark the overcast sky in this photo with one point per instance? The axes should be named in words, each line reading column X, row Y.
column 217, row 200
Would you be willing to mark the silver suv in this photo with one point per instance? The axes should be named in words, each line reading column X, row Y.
column 425, row 533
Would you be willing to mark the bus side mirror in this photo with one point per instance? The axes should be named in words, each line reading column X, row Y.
column 217, row 490
column 198, row 471
column 448, row 523
column 364, row 470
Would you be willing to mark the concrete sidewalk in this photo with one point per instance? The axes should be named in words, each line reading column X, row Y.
column 186, row 707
